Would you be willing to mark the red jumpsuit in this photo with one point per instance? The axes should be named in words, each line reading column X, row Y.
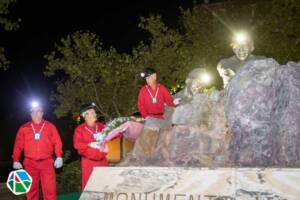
column 147, row 107
column 38, row 160
column 91, row 157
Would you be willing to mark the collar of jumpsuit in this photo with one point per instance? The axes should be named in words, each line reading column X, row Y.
column 91, row 127
column 38, row 124
column 153, row 93
column 153, row 88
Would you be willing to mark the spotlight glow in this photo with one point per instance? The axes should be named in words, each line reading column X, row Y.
column 240, row 37
column 205, row 78
column 34, row 104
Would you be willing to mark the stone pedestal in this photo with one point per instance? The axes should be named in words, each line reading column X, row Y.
column 163, row 183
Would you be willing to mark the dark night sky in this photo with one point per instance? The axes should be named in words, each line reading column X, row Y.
column 46, row 22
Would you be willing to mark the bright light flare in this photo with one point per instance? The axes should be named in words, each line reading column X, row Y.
column 35, row 104
column 240, row 38
column 205, row 78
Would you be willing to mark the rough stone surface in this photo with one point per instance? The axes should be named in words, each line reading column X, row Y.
column 235, row 64
column 197, row 137
column 228, row 67
column 158, row 183
column 262, row 108
column 254, row 122
column 287, row 114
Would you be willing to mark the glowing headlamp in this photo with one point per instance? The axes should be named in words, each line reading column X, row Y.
column 86, row 108
column 240, row 38
column 142, row 74
column 205, row 78
column 35, row 104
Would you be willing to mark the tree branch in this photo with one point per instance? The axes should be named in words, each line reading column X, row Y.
column 98, row 103
column 114, row 101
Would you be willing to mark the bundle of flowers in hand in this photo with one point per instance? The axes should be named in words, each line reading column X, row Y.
column 127, row 126
column 137, row 119
column 114, row 124
column 110, row 126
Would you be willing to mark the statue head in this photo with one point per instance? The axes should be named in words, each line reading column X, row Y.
column 242, row 45
column 196, row 81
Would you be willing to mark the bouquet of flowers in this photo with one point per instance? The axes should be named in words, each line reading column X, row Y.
column 110, row 126
column 127, row 127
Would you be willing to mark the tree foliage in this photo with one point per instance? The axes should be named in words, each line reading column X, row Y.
column 4, row 11
column 93, row 74
column 278, row 30
column 202, row 37
column 3, row 60
column 8, row 25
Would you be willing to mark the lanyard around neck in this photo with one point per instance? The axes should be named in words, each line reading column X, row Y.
column 40, row 129
column 89, row 130
column 151, row 93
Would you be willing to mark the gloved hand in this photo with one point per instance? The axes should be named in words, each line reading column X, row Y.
column 17, row 165
column 100, row 138
column 177, row 101
column 94, row 145
column 58, row 163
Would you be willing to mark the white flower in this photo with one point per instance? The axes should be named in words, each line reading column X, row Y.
column 114, row 124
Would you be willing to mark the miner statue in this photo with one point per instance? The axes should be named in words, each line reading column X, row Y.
column 242, row 46
column 197, row 80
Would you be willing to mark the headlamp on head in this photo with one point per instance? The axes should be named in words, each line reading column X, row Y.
column 147, row 72
column 240, row 38
column 205, row 78
column 35, row 105
column 84, row 110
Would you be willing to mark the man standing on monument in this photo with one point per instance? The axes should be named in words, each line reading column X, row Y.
column 153, row 96
column 88, row 141
column 39, row 139
column 151, row 104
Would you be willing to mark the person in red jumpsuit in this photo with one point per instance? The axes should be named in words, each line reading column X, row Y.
column 39, row 139
column 88, row 143
column 152, row 99
column 154, row 96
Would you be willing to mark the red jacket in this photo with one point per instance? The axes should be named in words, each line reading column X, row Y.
column 37, row 149
column 147, row 107
column 82, row 137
